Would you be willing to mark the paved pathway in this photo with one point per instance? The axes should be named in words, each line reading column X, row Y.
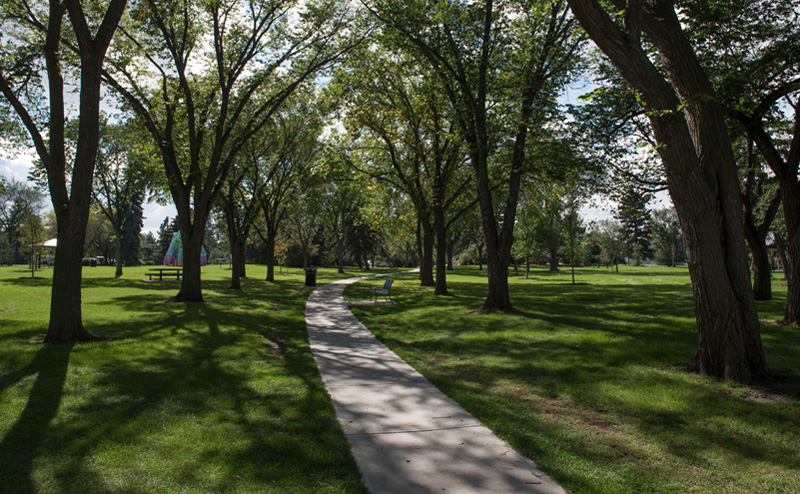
column 406, row 435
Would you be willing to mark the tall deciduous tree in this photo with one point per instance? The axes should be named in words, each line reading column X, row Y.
column 689, row 125
column 501, row 65
column 572, row 231
column 666, row 235
column 16, row 200
column 288, row 168
column 37, row 33
column 206, row 77
column 751, row 51
column 762, row 199
column 121, row 178
column 405, row 133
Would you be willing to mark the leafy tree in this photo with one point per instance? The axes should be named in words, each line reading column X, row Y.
column 206, row 77
column 572, row 231
column 148, row 247
column 501, row 66
column 35, row 36
column 343, row 196
column 610, row 237
column 667, row 236
column 362, row 239
column 280, row 164
column 100, row 239
column 303, row 226
column 762, row 199
column 6, row 256
column 689, row 125
column 752, row 52
column 122, row 175
column 400, row 121
column 16, row 201
column 32, row 235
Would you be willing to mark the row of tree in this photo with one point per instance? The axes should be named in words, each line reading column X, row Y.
column 434, row 107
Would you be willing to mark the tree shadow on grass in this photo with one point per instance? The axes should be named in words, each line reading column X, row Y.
column 173, row 393
column 609, row 352
column 21, row 444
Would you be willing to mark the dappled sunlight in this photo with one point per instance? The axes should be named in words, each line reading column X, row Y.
column 180, row 396
column 586, row 379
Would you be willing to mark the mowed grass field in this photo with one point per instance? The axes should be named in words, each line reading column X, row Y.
column 587, row 379
column 222, row 396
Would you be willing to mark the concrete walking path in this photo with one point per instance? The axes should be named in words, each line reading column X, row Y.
column 406, row 436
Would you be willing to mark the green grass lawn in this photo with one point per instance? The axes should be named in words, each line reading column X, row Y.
column 586, row 379
column 222, row 396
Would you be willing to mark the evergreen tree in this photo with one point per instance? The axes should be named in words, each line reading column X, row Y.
column 131, row 228
column 634, row 217
column 165, row 233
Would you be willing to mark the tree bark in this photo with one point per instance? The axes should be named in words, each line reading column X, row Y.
column 66, row 322
column 756, row 233
column 440, row 228
column 786, row 170
column 238, row 259
column 192, row 237
column 450, row 255
column 426, row 261
column 118, row 251
column 702, row 180
column 780, row 246
column 791, row 213
column 339, row 244
column 553, row 255
column 72, row 212
column 762, row 271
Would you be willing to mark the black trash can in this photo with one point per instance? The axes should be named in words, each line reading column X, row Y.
column 311, row 276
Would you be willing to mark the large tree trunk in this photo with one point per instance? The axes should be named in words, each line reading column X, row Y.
column 790, row 190
column 553, row 255
column 192, row 238
column 271, row 259
column 72, row 213
column 450, row 255
column 441, row 250
column 780, row 246
column 702, row 180
column 118, row 251
column 762, row 271
column 497, row 298
column 426, row 261
column 66, row 323
column 272, row 231
column 238, row 270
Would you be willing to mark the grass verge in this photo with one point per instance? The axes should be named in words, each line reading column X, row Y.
column 222, row 396
column 585, row 379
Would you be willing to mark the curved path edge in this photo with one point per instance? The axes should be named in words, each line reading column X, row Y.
column 406, row 435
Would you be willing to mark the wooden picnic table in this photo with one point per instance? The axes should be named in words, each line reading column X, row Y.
column 168, row 272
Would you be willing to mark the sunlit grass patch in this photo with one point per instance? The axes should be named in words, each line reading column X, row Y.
column 178, row 398
column 587, row 381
